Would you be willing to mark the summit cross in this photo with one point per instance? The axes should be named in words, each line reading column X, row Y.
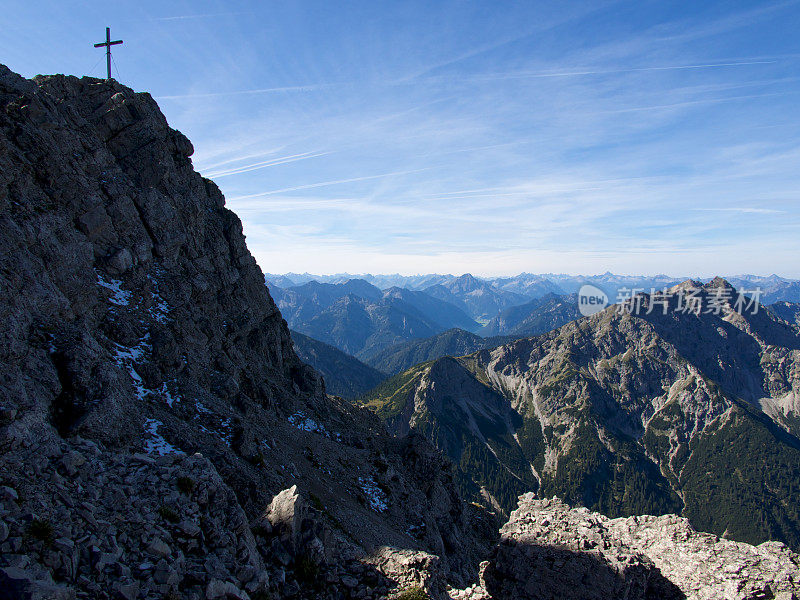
column 108, row 43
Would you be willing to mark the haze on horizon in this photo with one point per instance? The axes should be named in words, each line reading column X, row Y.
column 482, row 137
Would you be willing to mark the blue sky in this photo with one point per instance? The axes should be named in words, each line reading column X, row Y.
column 483, row 137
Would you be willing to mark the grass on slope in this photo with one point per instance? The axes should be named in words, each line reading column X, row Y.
column 389, row 398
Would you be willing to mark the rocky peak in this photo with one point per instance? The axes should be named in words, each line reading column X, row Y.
column 151, row 403
column 719, row 283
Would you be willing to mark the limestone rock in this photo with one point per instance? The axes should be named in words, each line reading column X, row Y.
column 548, row 550
column 151, row 403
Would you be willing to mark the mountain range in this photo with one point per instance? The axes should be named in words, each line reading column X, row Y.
column 774, row 287
column 360, row 319
column 625, row 414
column 788, row 311
column 453, row 342
column 395, row 328
column 540, row 315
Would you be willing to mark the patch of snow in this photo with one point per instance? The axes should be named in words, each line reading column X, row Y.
column 119, row 296
column 156, row 444
column 127, row 357
column 159, row 310
column 226, row 435
column 304, row 423
column 375, row 495
column 164, row 391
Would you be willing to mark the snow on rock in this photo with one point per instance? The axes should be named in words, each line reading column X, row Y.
column 376, row 497
column 159, row 310
column 168, row 396
column 127, row 357
column 156, row 444
column 304, row 423
column 118, row 296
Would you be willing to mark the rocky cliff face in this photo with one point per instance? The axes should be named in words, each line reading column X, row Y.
column 151, row 403
column 627, row 414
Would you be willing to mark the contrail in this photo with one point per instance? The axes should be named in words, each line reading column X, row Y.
column 203, row 16
column 742, row 210
column 325, row 183
column 266, row 163
column 695, row 102
column 500, row 76
column 289, row 88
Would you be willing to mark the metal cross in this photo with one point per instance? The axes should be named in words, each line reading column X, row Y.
column 108, row 43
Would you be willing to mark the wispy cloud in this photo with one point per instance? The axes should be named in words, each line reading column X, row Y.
column 273, row 90
column 743, row 210
column 603, row 136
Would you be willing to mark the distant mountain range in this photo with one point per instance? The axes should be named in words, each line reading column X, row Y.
column 540, row 315
column 478, row 298
column 625, row 414
column 531, row 286
column 360, row 319
column 415, row 319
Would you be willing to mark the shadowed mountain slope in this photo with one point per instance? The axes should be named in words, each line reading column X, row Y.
column 344, row 375
column 532, row 318
column 453, row 342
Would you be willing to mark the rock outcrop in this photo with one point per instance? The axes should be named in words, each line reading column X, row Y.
column 151, row 403
column 548, row 550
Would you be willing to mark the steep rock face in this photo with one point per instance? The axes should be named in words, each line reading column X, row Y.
column 653, row 413
column 788, row 311
column 470, row 422
column 151, row 403
column 548, row 550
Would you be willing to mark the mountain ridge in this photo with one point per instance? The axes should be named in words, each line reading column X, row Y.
column 620, row 413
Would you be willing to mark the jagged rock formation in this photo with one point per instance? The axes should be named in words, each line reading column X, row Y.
column 344, row 375
column 627, row 414
column 151, row 403
column 548, row 550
